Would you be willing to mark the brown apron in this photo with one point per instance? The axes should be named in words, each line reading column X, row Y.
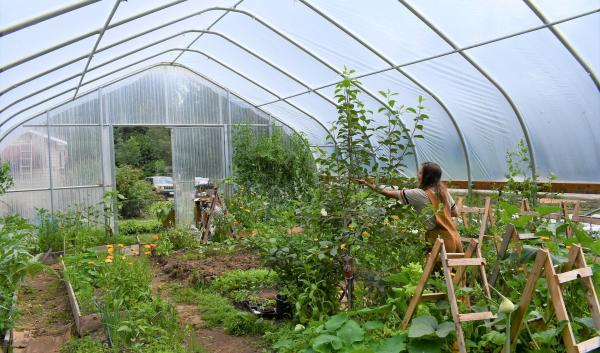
column 445, row 227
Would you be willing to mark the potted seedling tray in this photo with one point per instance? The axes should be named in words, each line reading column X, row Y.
column 83, row 323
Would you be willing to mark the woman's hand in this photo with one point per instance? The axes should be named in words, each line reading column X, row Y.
column 364, row 182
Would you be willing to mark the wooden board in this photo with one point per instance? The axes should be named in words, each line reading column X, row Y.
column 86, row 323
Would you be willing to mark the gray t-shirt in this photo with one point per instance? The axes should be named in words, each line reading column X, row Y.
column 419, row 200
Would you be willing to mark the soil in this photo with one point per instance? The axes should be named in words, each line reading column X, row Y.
column 45, row 320
column 206, row 269
column 213, row 340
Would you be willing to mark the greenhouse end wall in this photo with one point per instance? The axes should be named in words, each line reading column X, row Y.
column 64, row 159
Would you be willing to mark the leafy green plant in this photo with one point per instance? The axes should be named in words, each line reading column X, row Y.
column 181, row 238
column 6, row 179
column 249, row 280
column 139, row 226
column 138, row 193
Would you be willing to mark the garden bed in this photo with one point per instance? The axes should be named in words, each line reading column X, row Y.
column 83, row 323
column 206, row 269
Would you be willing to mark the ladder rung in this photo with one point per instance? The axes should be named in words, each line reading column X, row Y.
column 589, row 345
column 466, row 239
column 574, row 274
column 433, row 296
column 476, row 261
column 485, row 315
column 527, row 236
column 455, row 255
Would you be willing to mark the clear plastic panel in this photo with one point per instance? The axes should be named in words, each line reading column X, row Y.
column 487, row 121
column 25, row 204
column 82, row 199
column 76, row 155
column 244, row 113
column 35, row 111
column 225, row 77
column 249, row 65
column 389, row 28
column 137, row 100
column 272, row 47
column 302, row 123
column 557, row 10
column 117, row 72
column 441, row 143
column 104, row 61
column 581, row 35
column 320, row 37
column 26, row 151
column 54, row 31
column 558, row 101
column 45, row 62
column 84, row 110
column 197, row 152
column 192, row 100
column 468, row 22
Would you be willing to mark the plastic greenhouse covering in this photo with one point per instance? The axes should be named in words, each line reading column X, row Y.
column 491, row 72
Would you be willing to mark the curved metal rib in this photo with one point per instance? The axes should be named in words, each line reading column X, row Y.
column 46, row 16
column 409, row 77
column 487, row 76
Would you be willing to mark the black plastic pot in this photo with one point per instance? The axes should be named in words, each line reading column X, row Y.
column 283, row 309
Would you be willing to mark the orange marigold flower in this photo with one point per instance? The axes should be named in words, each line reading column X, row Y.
column 108, row 260
column 147, row 252
column 121, row 245
column 110, row 257
column 155, row 237
column 147, row 246
column 110, row 250
column 152, row 245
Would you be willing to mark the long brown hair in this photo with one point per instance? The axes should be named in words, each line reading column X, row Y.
column 432, row 179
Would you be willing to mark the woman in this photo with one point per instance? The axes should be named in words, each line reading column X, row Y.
column 432, row 192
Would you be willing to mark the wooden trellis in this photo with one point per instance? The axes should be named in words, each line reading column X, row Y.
column 511, row 235
column 459, row 261
column 575, row 269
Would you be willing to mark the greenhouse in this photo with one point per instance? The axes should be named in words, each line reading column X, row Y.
column 299, row 176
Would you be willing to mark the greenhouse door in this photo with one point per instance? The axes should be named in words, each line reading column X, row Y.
column 197, row 152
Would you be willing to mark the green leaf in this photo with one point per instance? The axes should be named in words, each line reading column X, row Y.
column 424, row 346
column 393, row 344
column 444, row 329
column 361, row 349
column 495, row 337
column 422, row 326
column 373, row 325
column 326, row 343
column 350, row 332
column 336, row 321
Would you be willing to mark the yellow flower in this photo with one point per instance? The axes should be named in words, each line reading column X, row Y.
column 351, row 226
column 544, row 238
column 90, row 262
column 147, row 252
column 122, row 257
column 366, row 234
column 110, row 250
column 395, row 217
column 386, row 222
column 343, row 246
column 108, row 260
column 152, row 245
column 155, row 237
column 110, row 257
column 130, row 263
column 109, row 246
column 147, row 246
column 121, row 245
column 568, row 246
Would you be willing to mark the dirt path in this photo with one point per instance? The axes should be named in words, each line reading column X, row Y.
column 44, row 322
column 213, row 340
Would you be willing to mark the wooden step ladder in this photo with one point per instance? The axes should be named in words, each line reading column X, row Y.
column 511, row 235
column 486, row 219
column 575, row 269
column 459, row 261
